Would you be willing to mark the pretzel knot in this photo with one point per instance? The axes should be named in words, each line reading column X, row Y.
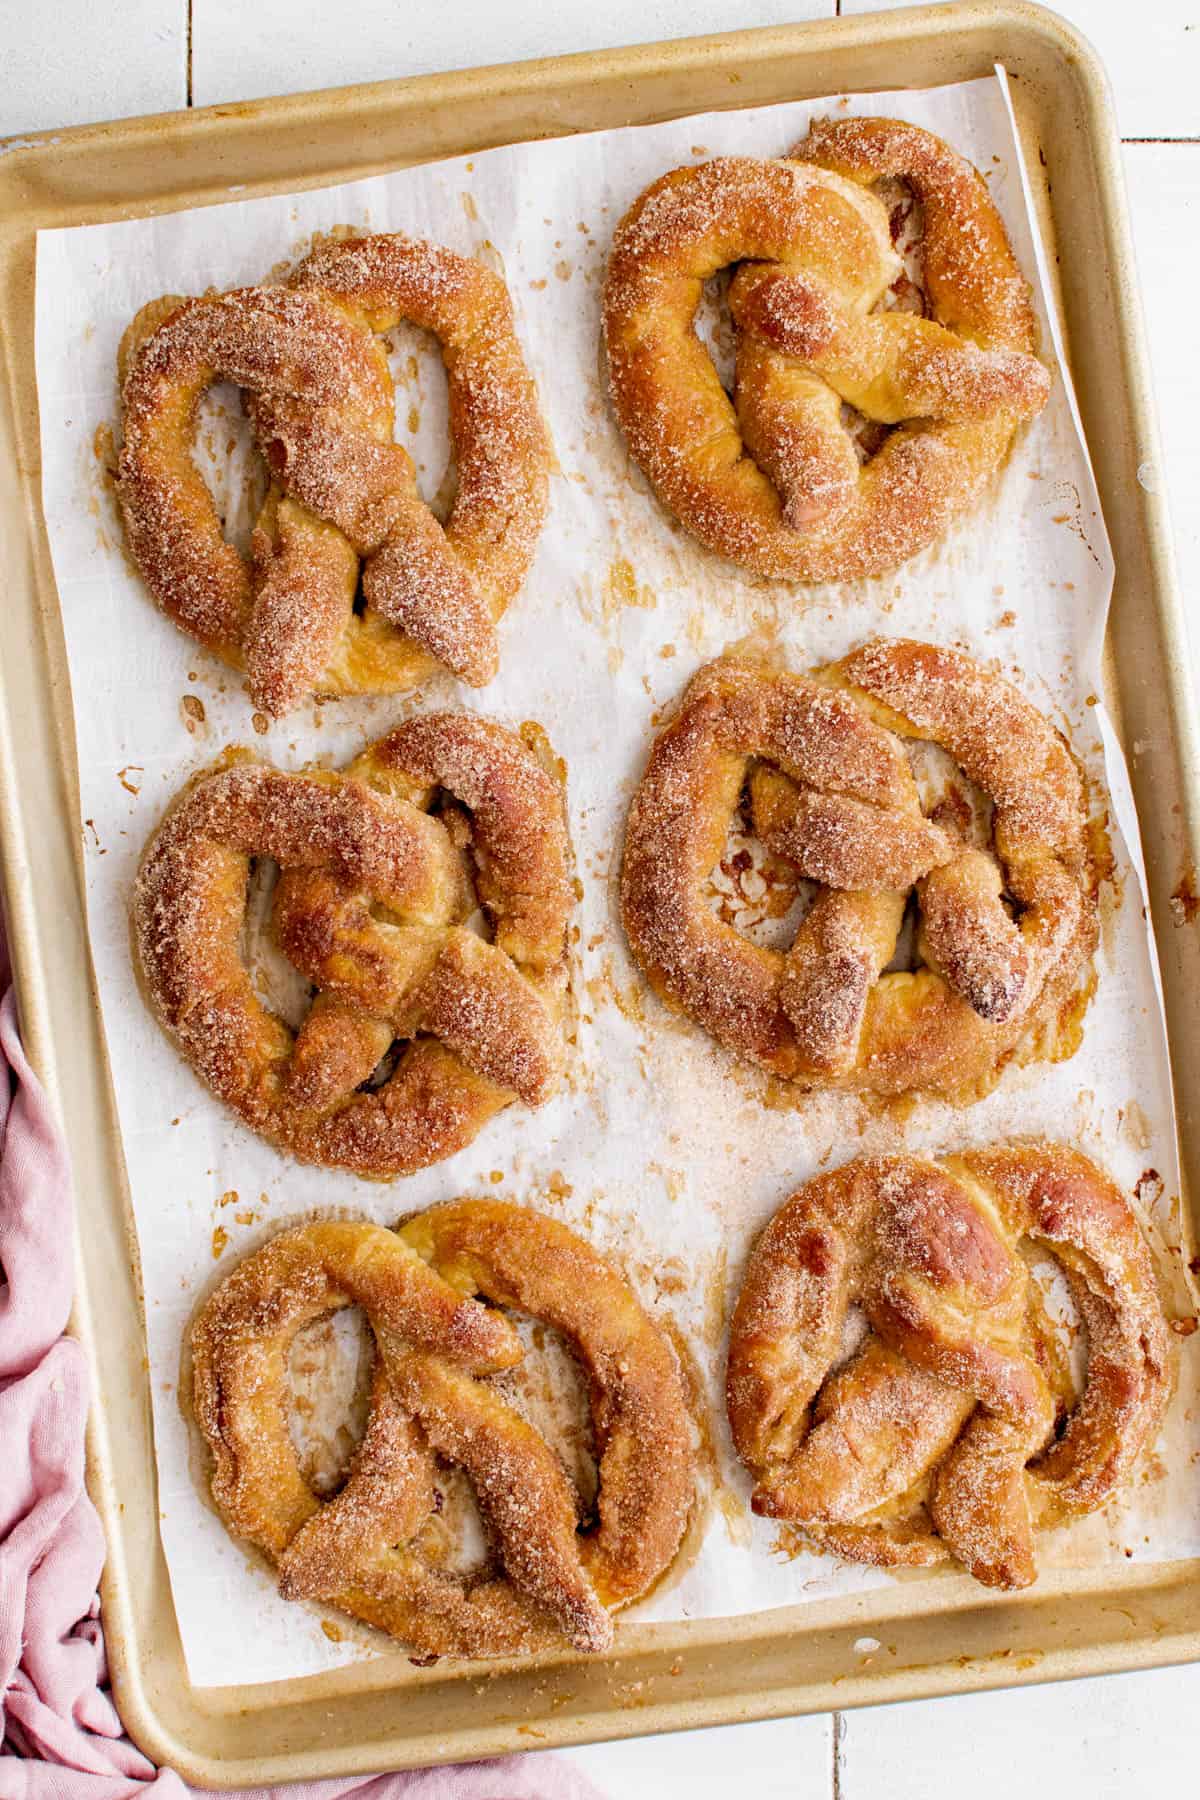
column 435, row 1345
column 322, row 403
column 953, row 1429
column 1006, row 931
column 772, row 479
column 371, row 905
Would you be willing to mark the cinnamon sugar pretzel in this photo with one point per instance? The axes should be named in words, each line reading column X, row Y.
column 547, row 1582
column 321, row 400
column 371, row 905
column 772, row 479
column 1007, row 931
column 953, row 1430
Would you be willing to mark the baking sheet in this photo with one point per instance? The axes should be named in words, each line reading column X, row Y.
column 661, row 1148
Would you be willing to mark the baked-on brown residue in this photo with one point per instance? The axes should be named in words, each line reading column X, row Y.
column 370, row 906
column 953, row 1429
column 1185, row 902
column 773, row 479
column 321, row 400
column 1006, row 933
column 545, row 1582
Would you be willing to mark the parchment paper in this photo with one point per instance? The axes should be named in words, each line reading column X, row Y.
column 661, row 1147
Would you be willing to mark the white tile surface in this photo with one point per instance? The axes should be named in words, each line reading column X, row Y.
column 273, row 46
column 784, row 1759
column 70, row 62
column 1123, row 1738
column 74, row 60
column 1152, row 52
column 1164, row 200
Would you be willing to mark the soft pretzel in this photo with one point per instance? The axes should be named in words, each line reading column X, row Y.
column 952, row 1430
column 371, row 906
column 772, row 479
column 1006, row 933
column 434, row 1342
column 321, row 400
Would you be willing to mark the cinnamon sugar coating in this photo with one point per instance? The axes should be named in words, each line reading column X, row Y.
column 321, row 400
column 1006, row 933
column 771, row 479
column 370, row 905
column 546, row 1581
column 953, row 1430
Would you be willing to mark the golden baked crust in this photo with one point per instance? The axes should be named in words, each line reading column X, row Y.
column 772, row 479
column 370, row 905
column 644, row 1441
column 832, row 792
column 953, row 1429
column 548, row 1582
column 320, row 397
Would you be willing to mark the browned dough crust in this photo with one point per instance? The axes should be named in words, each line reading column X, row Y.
column 953, row 1429
column 548, row 1582
column 370, row 905
column 771, row 479
column 832, row 791
column 321, row 399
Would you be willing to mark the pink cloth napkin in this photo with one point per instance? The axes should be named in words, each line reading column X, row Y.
column 60, row 1736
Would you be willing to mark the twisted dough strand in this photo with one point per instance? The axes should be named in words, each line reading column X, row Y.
column 321, row 400
column 546, row 1581
column 938, row 1436
column 371, row 905
column 772, row 479
column 831, row 790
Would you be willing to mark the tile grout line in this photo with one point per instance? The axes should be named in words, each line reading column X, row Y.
column 188, row 89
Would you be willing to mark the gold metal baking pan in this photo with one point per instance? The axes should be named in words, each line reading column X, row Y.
column 936, row 1636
